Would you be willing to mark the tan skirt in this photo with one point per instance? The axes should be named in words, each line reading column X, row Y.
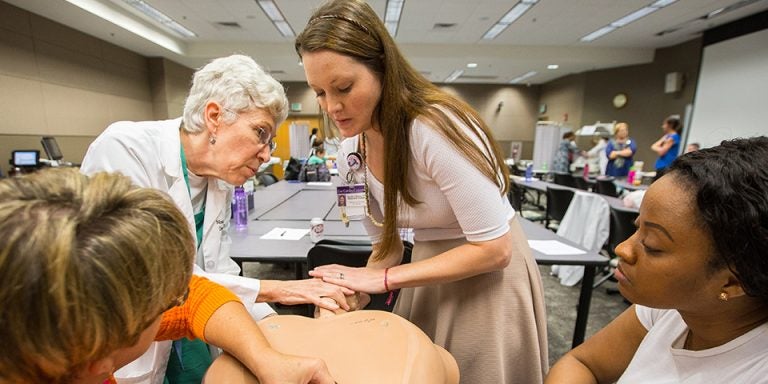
column 494, row 324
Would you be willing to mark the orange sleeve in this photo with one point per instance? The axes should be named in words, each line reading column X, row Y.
column 189, row 320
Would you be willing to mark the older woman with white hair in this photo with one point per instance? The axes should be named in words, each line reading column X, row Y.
column 230, row 119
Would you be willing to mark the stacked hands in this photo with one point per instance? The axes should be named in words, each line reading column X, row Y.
column 338, row 288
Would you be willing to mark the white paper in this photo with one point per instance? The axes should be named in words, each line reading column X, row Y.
column 278, row 233
column 320, row 183
column 554, row 247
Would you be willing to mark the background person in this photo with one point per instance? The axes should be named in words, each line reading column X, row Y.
column 566, row 151
column 318, row 156
column 431, row 164
column 94, row 269
column 597, row 158
column 696, row 269
column 668, row 146
column 692, row 147
column 620, row 150
column 230, row 119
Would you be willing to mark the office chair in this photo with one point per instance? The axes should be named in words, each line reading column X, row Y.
column 565, row 179
column 581, row 183
column 606, row 187
column 558, row 200
column 266, row 179
column 622, row 226
column 353, row 253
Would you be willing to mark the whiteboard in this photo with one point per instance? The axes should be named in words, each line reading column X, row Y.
column 732, row 93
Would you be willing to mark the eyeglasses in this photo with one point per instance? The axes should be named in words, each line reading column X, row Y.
column 266, row 138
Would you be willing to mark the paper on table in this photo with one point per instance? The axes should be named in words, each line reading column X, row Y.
column 554, row 247
column 278, row 233
column 320, row 183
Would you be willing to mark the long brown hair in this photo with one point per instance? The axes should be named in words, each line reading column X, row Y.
column 352, row 28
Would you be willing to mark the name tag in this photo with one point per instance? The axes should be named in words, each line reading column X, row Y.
column 351, row 200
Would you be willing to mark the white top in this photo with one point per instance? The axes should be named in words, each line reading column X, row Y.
column 457, row 199
column 660, row 358
column 149, row 153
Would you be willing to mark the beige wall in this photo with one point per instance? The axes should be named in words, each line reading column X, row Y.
column 170, row 84
column 564, row 100
column 61, row 82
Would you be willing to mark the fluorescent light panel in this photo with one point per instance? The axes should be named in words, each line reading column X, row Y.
column 631, row 18
column 392, row 15
column 454, row 75
column 164, row 20
column 276, row 16
column 553, row 66
column 129, row 24
column 471, row 65
column 510, row 17
column 522, row 77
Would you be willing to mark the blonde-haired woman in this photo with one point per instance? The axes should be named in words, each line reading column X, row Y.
column 430, row 163
column 95, row 269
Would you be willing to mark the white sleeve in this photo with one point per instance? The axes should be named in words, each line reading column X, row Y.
column 111, row 152
column 482, row 210
column 647, row 316
column 245, row 288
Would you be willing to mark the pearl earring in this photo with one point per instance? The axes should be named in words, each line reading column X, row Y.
column 723, row 296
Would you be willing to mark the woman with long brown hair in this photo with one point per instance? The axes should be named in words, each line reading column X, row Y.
column 426, row 160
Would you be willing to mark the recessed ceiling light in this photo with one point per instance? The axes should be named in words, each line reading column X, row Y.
column 523, row 77
column 471, row 65
column 630, row 18
column 553, row 66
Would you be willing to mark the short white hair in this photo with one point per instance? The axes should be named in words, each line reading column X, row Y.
column 238, row 84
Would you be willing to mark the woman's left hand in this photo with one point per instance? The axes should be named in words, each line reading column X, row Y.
column 368, row 280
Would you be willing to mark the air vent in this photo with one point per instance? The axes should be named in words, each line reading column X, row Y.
column 276, row 72
column 425, row 73
column 444, row 26
column 227, row 25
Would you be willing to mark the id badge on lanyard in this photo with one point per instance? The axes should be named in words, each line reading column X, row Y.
column 351, row 197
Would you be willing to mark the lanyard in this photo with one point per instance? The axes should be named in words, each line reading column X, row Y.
column 199, row 216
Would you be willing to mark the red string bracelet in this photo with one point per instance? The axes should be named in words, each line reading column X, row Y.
column 386, row 286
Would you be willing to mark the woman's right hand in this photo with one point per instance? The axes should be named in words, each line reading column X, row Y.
column 294, row 369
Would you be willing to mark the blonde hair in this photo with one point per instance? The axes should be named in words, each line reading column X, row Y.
column 86, row 264
column 352, row 28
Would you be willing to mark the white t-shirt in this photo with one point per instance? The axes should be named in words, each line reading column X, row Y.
column 660, row 358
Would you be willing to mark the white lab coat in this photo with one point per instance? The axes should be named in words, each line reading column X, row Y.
column 149, row 153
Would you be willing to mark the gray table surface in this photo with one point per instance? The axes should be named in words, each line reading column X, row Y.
column 293, row 205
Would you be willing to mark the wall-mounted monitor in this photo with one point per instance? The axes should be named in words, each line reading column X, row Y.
column 27, row 158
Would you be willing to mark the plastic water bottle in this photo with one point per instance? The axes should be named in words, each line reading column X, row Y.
column 586, row 171
column 529, row 172
column 241, row 209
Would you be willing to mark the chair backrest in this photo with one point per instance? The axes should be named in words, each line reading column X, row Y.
column 352, row 253
column 565, row 179
column 581, row 183
column 606, row 187
column 515, row 196
column 558, row 200
column 622, row 226
column 267, row 179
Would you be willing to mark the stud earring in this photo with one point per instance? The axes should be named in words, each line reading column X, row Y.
column 212, row 140
column 723, row 296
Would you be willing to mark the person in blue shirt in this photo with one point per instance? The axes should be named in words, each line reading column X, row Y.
column 668, row 146
column 318, row 157
column 620, row 151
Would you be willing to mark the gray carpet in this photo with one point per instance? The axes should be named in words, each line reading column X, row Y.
column 561, row 305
